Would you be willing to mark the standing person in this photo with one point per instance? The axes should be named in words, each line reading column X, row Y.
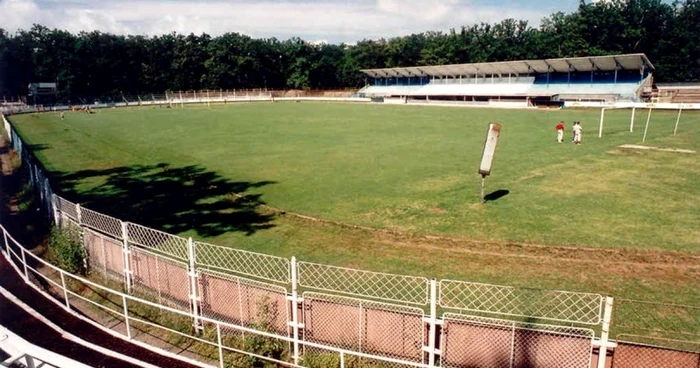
column 578, row 131
column 62, row 115
column 560, row 131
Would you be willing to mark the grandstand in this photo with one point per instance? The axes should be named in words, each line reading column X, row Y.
column 678, row 93
column 519, row 83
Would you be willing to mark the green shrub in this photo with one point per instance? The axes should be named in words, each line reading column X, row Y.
column 66, row 251
column 262, row 345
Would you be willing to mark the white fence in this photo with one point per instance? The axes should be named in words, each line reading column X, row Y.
column 179, row 99
column 323, row 315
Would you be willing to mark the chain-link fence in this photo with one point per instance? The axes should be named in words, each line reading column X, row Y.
column 553, row 305
column 652, row 352
column 104, row 254
column 102, row 223
column 653, row 334
column 374, row 328
column 160, row 279
column 470, row 341
column 229, row 260
column 159, row 241
column 244, row 302
column 384, row 286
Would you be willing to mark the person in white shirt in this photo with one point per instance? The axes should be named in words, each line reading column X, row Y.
column 578, row 130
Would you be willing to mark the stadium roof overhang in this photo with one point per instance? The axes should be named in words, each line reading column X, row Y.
column 563, row 65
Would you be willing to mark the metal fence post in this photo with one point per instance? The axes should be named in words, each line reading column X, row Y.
column 80, row 216
column 7, row 244
column 220, row 345
column 433, row 323
column 30, row 361
column 607, row 315
column 65, row 289
column 126, row 251
column 24, row 263
column 81, row 234
column 295, row 310
column 126, row 317
column 194, row 299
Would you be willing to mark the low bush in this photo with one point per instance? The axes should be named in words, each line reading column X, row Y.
column 66, row 251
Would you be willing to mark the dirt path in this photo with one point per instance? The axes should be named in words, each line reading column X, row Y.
column 571, row 253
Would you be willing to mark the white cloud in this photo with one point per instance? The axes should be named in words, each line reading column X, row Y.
column 19, row 14
column 329, row 20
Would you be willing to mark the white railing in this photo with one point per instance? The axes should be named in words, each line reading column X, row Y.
column 13, row 252
column 179, row 99
column 223, row 288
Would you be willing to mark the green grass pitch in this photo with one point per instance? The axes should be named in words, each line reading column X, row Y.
column 411, row 170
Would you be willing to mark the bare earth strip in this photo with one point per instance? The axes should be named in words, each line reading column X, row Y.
column 637, row 146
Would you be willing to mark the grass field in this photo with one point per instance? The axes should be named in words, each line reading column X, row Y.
column 567, row 217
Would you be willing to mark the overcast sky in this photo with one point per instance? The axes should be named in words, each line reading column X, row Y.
column 313, row 20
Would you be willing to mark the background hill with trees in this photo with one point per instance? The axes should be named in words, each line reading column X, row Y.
column 91, row 64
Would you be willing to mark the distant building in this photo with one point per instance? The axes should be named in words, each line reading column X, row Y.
column 42, row 93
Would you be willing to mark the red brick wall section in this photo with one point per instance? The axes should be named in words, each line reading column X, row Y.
column 243, row 302
column 629, row 355
column 369, row 327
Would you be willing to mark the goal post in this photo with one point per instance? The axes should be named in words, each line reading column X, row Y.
column 669, row 114
column 603, row 111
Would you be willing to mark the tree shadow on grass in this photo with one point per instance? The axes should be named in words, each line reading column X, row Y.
column 170, row 199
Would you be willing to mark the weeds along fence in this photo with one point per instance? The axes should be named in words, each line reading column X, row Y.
column 235, row 307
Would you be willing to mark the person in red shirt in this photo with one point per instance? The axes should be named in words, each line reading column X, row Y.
column 560, row 131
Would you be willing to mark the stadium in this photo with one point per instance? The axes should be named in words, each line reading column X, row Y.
column 522, row 83
column 352, row 227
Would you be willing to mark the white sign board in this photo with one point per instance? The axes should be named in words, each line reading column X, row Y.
column 489, row 149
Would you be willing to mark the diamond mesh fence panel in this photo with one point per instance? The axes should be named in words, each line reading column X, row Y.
column 553, row 305
column 369, row 327
column 157, row 240
column 470, row 341
column 103, row 223
column 243, row 302
column 67, row 208
column 399, row 288
column 161, row 279
column 104, row 254
column 242, row 262
column 649, row 352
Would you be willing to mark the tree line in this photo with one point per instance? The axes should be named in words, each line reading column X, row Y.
column 99, row 64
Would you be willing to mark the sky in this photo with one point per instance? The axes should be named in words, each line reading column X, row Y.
column 331, row 21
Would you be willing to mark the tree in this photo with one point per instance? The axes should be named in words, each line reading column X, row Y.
column 95, row 64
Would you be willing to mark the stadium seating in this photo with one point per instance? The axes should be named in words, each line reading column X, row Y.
column 623, row 90
column 389, row 90
column 603, row 87
column 687, row 95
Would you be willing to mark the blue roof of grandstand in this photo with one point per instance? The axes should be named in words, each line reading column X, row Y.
column 563, row 65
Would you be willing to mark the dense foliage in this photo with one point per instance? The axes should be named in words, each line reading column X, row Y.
column 95, row 63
